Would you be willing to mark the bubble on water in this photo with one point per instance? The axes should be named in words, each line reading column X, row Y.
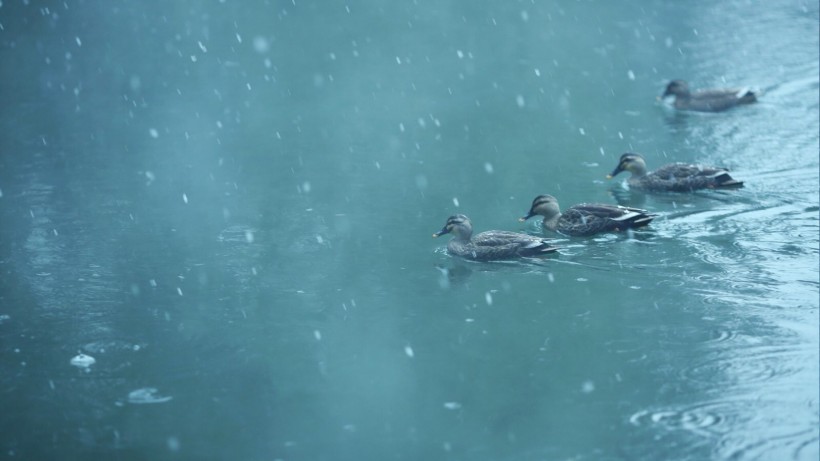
column 202, row 47
column 581, row 279
column 581, row 130
column 488, row 297
column 153, row 132
column 320, row 240
column 460, row 54
column 587, row 386
column 249, row 236
column 83, row 361
column 317, row 334
column 79, row 42
column 153, row 283
column 537, row 72
column 184, row 198
column 401, row 127
column 452, row 405
column 305, row 187
column 488, row 167
column 520, row 101
column 179, row 291
column 455, row 201
column 550, row 277
column 408, row 351
column 631, row 75
column 146, row 395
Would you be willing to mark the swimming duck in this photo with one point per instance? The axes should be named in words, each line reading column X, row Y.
column 712, row 100
column 586, row 218
column 674, row 177
column 490, row 245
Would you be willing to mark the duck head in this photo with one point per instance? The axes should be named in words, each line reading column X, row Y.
column 544, row 205
column 630, row 162
column 678, row 88
column 458, row 225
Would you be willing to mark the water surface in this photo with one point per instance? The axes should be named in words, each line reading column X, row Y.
column 228, row 206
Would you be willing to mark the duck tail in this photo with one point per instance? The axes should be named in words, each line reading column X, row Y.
column 538, row 248
column 635, row 219
column 643, row 220
column 724, row 181
column 730, row 184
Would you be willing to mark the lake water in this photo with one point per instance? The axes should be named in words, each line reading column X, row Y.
column 228, row 206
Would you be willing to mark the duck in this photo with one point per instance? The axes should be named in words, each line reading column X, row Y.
column 491, row 245
column 674, row 177
column 711, row 100
column 586, row 219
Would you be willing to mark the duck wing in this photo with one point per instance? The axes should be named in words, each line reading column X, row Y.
column 504, row 244
column 716, row 100
column 685, row 177
column 592, row 218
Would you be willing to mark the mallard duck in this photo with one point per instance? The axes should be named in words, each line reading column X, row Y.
column 674, row 177
column 712, row 100
column 490, row 245
column 586, row 218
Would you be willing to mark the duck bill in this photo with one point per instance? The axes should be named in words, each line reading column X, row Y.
column 529, row 215
column 615, row 172
column 441, row 232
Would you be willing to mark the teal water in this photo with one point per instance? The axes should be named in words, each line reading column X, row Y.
column 228, row 205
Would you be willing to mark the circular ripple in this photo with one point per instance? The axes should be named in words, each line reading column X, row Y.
column 719, row 336
column 708, row 418
column 745, row 369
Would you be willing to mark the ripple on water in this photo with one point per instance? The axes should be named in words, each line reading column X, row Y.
column 721, row 419
column 747, row 368
column 781, row 443
column 705, row 419
column 719, row 335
